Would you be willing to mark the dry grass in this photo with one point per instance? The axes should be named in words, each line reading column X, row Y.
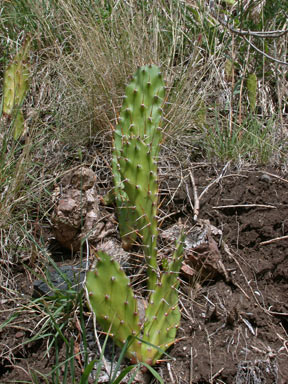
column 105, row 54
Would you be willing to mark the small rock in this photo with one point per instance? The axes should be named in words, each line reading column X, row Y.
column 19, row 334
column 266, row 178
column 75, row 274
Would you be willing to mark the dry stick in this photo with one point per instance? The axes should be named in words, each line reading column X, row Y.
column 170, row 373
column 164, row 218
column 215, row 181
column 241, row 32
column 265, row 34
column 285, row 341
column 264, row 53
column 196, row 206
column 244, row 206
column 176, row 190
column 191, row 366
column 274, row 240
column 216, row 374
column 197, row 199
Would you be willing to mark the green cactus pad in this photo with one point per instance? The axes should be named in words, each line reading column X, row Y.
column 112, row 300
column 163, row 315
column 136, row 147
column 16, row 80
column 16, row 84
column 18, row 125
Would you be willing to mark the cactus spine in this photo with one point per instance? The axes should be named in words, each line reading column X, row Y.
column 16, row 84
column 136, row 147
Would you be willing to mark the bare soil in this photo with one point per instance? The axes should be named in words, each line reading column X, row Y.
column 234, row 321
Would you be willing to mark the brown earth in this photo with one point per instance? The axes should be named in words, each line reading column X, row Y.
column 234, row 295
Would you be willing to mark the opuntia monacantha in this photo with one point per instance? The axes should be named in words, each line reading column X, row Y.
column 136, row 147
column 16, row 84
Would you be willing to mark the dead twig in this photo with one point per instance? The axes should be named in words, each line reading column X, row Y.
column 215, row 181
column 196, row 206
column 274, row 240
column 243, row 34
column 216, row 374
column 170, row 373
column 244, row 206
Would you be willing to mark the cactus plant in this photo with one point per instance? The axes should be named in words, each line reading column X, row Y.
column 136, row 147
column 110, row 296
column 16, row 84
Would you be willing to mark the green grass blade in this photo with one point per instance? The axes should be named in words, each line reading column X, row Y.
column 125, row 373
column 154, row 373
column 88, row 369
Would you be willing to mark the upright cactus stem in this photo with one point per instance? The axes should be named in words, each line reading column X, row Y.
column 162, row 316
column 136, row 148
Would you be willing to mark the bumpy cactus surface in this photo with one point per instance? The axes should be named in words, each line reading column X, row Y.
column 16, row 84
column 136, row 146
column 112, row 300
column 162, row 315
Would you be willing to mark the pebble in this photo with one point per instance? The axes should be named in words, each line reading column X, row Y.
column 266, row 178
column 19, row 334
